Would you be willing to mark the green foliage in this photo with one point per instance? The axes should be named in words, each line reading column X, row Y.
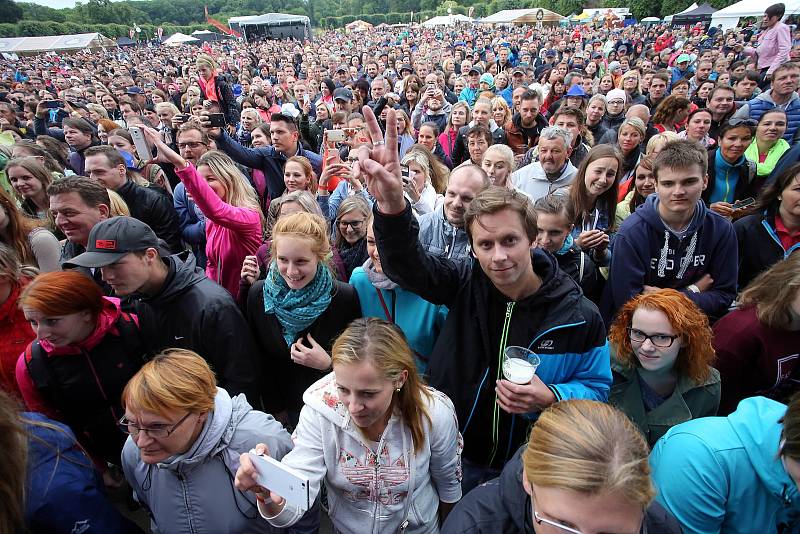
column 9, row 11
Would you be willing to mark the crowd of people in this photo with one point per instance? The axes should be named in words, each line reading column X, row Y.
column 342, row 253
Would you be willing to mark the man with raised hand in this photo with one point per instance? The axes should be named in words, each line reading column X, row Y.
column 510, row 294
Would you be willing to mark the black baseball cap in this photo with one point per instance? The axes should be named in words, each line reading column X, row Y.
column 343, row 93
column 113, row 238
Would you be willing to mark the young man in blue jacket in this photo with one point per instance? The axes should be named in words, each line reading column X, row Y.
column 674, row 241
column 509, row 294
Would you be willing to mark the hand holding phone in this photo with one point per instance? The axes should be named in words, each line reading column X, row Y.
column 282, row 480
column 142, row 148
column 744, row 203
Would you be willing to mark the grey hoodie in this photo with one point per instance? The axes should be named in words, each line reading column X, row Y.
column 193, row 492
column 369, row 484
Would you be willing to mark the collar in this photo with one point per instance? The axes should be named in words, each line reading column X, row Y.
column 781, row 228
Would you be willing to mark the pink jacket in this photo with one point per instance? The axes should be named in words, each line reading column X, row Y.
column 231, row 232
column 773, row 47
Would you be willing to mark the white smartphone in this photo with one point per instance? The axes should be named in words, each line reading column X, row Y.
column 140, row 143
column 283, row 480
column 335, row 136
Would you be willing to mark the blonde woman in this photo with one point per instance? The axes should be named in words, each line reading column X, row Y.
column 214, row 87
column 249, row 119
column 501, row 113
column 427, row 179
column 235, row 223
column 386, row 446
column 499, row 163
column 584, row 469
column 166, row 111
column 630, row 82
column 185, row 436
column 405, row 133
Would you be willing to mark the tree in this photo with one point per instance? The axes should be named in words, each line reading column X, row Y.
column 10, row 11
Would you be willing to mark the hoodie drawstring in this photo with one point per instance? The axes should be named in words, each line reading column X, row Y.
column 687, row 258
column 496, row 414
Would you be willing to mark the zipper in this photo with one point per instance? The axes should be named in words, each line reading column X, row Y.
column 185, row 499
column 496, row 411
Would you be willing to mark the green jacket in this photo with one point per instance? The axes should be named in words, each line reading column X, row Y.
column 688, row 401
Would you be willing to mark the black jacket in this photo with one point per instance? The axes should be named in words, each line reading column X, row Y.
column 283, row 381
column 226, row 100
column 192, row 312
column 152, row 206
column 502, row 506
column 557, row 322
column 461, row 154
column 759, row 245
column 580, row 267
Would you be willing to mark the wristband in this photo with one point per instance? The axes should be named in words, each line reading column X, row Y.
column 693, row 288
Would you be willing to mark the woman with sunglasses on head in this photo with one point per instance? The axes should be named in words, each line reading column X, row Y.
column 661, row 362
column 731, row 176
column 386, row 446
column 736, row 474
column 584, row 470
column 185, row 437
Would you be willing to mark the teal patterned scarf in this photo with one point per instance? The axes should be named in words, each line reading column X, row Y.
column 296, row 309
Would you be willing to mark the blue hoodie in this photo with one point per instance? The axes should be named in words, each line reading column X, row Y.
column 723, row 474
column 646, row 252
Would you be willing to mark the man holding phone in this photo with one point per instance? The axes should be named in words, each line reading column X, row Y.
column 432, row 106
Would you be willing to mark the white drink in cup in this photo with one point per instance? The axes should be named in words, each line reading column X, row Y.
column 519, row 364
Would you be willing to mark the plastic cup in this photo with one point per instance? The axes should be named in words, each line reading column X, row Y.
column 519, row 364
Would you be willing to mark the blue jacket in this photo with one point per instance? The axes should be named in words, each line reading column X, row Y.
column 723, row 474
column 419, row 320
column 556, row 322
column 266, row 159
column 64, row 493
column 192, row 223
column 646, row 252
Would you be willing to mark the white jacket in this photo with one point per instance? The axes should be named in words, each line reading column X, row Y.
column 368, row 492
column 532, row 180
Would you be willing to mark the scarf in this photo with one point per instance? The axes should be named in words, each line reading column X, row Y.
column 774, row 154
column 209, row 87
column 378, row 280
column 297, row 309
column 353, row 255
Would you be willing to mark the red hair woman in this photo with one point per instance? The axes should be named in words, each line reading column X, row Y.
column 86, row 350
column 661, row 362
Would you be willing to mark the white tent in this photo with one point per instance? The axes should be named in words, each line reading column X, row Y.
column 178, row 38
column 729, row 16
column 522, row 16
column 694, row 5
column 446, row 20
column 35, row 45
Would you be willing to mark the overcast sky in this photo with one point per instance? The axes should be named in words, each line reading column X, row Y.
column 57, row 4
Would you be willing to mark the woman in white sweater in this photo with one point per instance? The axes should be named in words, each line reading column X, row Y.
column 376, row 435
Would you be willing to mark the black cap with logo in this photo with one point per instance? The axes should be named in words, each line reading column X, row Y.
column 113, row 238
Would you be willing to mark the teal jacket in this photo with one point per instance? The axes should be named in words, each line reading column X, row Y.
column 419, row 320
column 689, row 401
column 723, row 474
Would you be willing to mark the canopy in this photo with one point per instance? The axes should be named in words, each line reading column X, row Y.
column 701, row 13
column 446, row 20
column 272, row 26
column 729, row 17
column 36, row 45
column 209, row 36
column 651, row 19
column 669, row 18
column 178, row 38
column 125, row 41
column 524, row 16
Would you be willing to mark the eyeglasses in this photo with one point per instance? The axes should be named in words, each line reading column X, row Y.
column 158, row 432
column 659, row 340
column 616, row 102
column 191, row 144
column 564, row 528
column 355, row 225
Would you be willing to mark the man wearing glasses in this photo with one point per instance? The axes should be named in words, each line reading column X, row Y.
column 192, row 143
column 674, row 240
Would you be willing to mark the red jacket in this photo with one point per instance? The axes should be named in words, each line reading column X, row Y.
column 754, row 359
column 15, row 334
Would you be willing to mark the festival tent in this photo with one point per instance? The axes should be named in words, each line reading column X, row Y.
column 178, row 38
column 272, row 26
column 209, row 36
column 446, row 20
column 55, row 43
column 701, row 13
column 669, row 18
column 523, row 16
column 125, row 41
column 729, row 16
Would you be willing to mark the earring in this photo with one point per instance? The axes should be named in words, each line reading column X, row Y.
column 397, row 390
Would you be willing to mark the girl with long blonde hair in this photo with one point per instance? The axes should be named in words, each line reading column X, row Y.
column 400, row 436
column 235, row 223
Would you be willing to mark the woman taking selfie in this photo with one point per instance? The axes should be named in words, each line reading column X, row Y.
column 234, row 221
column 661, row 362
column 427, row 179
column 584, row 469
column 401, row 437
column 296, row 312
column 185, row 436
